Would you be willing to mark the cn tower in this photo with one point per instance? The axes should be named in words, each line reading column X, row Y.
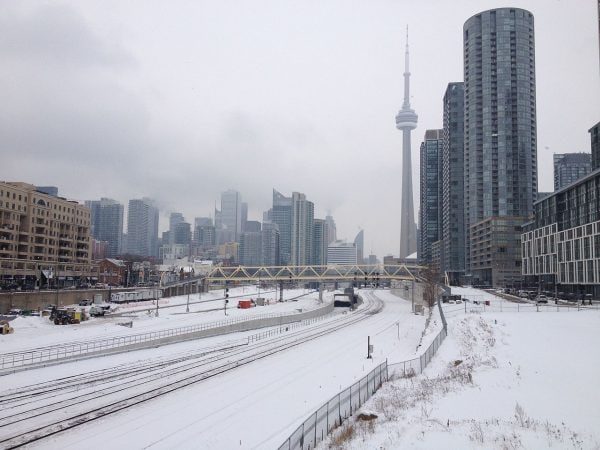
column 406, row 120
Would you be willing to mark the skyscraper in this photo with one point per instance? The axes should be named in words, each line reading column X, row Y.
column 282, row 216
column 107, row 223
column 270, row 244
column 500, row 140
column 320, row 242
column 231, row 213
column 359, row 243
column 142, row 227
column 250, row 251
column 331, row 229
column 569, row 167
column 302, row 230
column 406, row 120
column 453, row 212
column 431, row 189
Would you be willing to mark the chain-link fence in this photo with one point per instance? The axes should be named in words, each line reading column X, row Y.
column 331, row 415
column 482, row 306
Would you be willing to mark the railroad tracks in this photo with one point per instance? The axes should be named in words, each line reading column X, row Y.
column 36, row 412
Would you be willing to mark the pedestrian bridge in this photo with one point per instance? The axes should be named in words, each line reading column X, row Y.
column 359, row 273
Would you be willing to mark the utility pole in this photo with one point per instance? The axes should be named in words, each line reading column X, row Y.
column 187, row 308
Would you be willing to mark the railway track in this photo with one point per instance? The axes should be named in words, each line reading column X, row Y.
column 30, row 413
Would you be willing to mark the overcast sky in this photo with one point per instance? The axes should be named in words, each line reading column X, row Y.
column 181, row 100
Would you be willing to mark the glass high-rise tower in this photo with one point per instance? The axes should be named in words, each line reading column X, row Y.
column 499, row 141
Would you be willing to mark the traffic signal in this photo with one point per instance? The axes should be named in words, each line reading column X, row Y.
column 226, row 295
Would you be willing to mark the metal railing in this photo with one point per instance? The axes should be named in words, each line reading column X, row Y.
column 332, row 413
column 341, row 406
column 76, row 349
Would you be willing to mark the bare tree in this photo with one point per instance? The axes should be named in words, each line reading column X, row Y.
column 430, row 277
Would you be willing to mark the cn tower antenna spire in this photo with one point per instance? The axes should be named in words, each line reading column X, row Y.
column 406, row 121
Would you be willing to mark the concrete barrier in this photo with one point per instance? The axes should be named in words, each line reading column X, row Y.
column 35, row 300
column 247, row 325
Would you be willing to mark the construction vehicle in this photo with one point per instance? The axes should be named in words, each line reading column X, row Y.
column 65, row 316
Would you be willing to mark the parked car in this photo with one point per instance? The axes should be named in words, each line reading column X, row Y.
column 86, row 302
column 541, row 299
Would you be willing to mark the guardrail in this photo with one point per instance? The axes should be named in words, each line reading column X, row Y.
column 341, row 406
column 49, row 354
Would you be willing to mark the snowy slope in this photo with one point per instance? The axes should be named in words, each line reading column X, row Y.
column 500, row 380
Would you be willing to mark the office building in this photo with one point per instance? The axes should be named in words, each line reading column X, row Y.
column 359, row 242
column 569, row 167
column 406, row 121
column 430, row 195
column 453, row 212
column 331, row 228
column 270, row 244
column 231, row 214
column 281, row 214
column 174, row 219
column 253, row 226
column 41, row 228
column 302, row 230
column 244, row 212
column 107, row 224
column 142, row 227
column 182, row 233
column 205, row 236
column 320, row 242
column 341, row 253
column 250, row 250
column 500, row 147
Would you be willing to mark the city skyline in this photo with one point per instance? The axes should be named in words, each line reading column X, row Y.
column 129, row 110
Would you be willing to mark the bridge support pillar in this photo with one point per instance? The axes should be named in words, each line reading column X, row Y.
column 321, row 292
column 281, row 291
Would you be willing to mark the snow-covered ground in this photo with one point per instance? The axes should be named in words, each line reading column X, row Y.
column 501, row 380
column 254, row 406
column 32, row 332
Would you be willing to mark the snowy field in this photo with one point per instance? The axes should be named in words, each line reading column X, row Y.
column 501, row 380
column 253, row 405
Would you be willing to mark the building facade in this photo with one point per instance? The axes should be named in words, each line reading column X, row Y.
column 453, row 208
column 107, row 224
column 270, row 244
column 595, row 138
column 44, row 229
column 430, row 195
column 500, row 143
column 251, row 248
column 281, row 214
column 341, row 253
column 569, row 167
column 320, row 242
column 142, row 227
column 561, row 246
column 231, row 213
column 302, row 230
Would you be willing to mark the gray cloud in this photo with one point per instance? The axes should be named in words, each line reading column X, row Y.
column 181, row 101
